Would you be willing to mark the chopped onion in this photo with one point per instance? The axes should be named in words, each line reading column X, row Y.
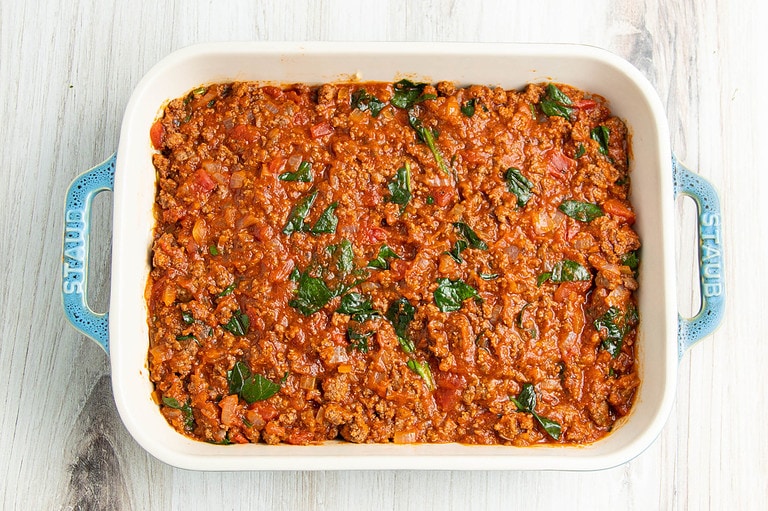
column 339, row 355
column 211, row 166
column 237, row 180
column 220, row 178
column 512, row 252
column 255, row 419
column 405, row 437
column 199, row 230
column 294, row 161
column 545, row 221
column 247, row 221
column 271, row 108
column 307, row 382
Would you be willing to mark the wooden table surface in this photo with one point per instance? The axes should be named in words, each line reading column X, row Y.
column 66, row 72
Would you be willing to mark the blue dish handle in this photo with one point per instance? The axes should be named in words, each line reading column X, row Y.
column 77, row 225
column 711, row 271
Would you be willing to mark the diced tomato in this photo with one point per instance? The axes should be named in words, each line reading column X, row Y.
column 558, row 164
column 398, row 267
column 292, row 95
column 474, row 156
column 374, row 235
column 157, row 134
column 618, row 208
column 300, row 118
column 338, row 337
column 566, row 289
column 585, row 104
column 204, row 181
column 252, row 313
column 245, row 132
column 448, row 392
column 275, row 92
column 370, row 198
column 276, row 165
column 264, row 409
column 238, row 438
column 443, row 195
column 299, row 437
column 321, row 129
column 572, row 228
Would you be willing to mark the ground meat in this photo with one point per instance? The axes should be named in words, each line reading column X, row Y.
column 381, row 262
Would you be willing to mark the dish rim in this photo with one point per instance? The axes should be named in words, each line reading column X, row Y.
column 187, row 453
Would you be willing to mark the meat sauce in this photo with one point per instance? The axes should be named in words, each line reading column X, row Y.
column 392, row 262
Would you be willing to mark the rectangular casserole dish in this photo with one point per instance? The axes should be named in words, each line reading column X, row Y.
column 663, row 336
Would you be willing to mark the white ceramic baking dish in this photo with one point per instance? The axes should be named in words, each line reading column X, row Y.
column 656, row 180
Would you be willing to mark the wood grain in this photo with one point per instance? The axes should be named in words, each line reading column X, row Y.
column 66, row 73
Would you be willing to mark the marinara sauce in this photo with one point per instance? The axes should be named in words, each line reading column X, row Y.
column 392, row 262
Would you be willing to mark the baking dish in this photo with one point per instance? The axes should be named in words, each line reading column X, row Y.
column 656, row 179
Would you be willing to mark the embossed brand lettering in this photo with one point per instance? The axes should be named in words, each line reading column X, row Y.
column 711, row 272
column 74, row 253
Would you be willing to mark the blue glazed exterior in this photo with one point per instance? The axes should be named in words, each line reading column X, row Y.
column 711, row 271
column 77, row 218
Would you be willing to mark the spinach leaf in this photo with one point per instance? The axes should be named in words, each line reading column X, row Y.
column 423, row 370
column 186, row 410
column 526, row 399
column 381, row 262
column 458, row 248
column 359, row 340
column 345, row 256
column 363, row 101
column 526, row 402
column 467, row 239
column 357, row 306
column 450, row 294
column 238, row 324
column 488, row 276
column 303, row 174
column 299, row 213
column 552, row 428
column 400, row 187
column 187, row 317
column 327, row 222
column 567, row 271
column 312, row 294
column 188, row 337
column 556, row 103
column 601, row 135
column 581, row 211
column 466, row 232
column 580, row 151
column 250, row 387
column 518, row 184
column 543, row 278
column 615, row 326
column 228, row 290
column 408, row 94
column 468, row 107
column 631, row 260
column 213, row 250
column 258, row 388
column 400, row 313
column 427, row 136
